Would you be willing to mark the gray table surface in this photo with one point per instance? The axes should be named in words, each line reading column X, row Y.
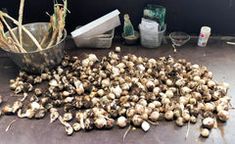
column 217, row 56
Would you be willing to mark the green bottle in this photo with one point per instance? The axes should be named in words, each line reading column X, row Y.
column 128, row 29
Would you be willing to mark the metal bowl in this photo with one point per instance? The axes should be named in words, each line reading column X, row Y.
column 35, row 61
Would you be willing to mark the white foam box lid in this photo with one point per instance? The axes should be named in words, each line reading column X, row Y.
column 98, row 26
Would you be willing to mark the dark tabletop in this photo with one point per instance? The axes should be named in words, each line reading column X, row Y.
column 217, row 56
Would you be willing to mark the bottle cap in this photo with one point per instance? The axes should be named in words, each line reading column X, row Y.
column 206, row 30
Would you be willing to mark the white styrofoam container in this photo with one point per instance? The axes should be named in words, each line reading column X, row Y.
column 98, row 26
column 98, row 41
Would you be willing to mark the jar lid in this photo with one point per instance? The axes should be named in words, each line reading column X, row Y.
column 205, row 29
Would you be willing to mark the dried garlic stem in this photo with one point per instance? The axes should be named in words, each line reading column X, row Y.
column 20, row 19
column 58, row 22
column 20, row 48
column 62, row 16
column 10, row 124
column 45, row 38
column 4, row 41
column 174, row 48
column 125, row 134
column 54, row 34
column 23, row 28
column 188, row 128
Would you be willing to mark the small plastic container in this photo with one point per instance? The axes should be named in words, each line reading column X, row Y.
column 204, row 36
column 151, row 40
column 98, row 41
